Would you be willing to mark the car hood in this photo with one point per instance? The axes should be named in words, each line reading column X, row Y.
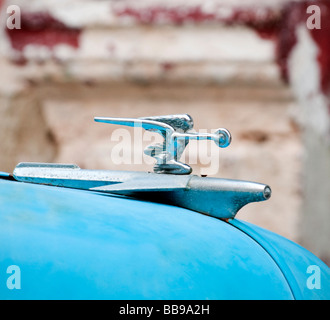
column 73, row 244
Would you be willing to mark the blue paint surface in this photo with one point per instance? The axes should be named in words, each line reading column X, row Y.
column 72, row 244
column 295, row 262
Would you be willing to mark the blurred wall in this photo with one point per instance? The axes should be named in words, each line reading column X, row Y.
column 252, row 67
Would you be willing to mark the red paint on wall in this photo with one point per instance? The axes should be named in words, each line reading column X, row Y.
column 42, row 29
column 322, row 38
column 295, row 14
column 278, row 25
column 167, row 66
column 281, row 28
column 264, row 21
column 286, row 39
column 177, row 15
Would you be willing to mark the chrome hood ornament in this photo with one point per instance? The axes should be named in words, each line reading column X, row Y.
column 176, row 130
column 221, row 198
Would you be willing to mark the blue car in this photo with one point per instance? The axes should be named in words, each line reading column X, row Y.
column 69, row 233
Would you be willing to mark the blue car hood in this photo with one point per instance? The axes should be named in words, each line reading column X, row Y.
column 294, row 261
column 72, row 244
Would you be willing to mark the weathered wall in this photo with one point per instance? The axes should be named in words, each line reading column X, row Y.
column 254, row 69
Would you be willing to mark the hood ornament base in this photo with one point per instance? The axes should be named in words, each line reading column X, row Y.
column 221, row 198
